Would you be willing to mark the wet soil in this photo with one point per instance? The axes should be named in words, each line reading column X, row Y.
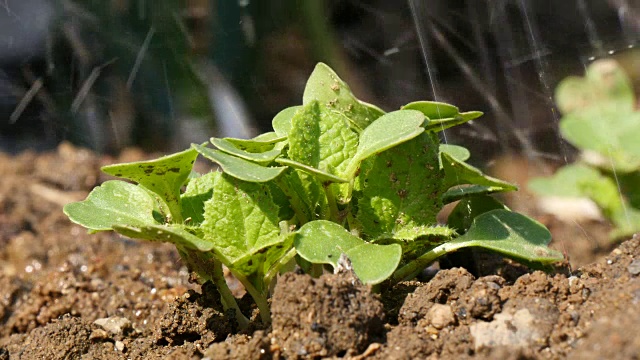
column 65, row 294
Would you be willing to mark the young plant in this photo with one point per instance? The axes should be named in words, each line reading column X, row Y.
column 600, row 117
column 336, row 177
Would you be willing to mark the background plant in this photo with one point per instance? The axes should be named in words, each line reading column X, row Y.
column 336, row 176
column 600, row 118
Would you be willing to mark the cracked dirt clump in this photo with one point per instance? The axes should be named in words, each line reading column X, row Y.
column 333, row 315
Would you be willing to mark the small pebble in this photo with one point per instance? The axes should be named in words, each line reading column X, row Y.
column 115, row 325
column 634, row 267
column 440, row 316
column 119, row 345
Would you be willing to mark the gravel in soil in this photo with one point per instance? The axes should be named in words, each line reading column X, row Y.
column 65, row 294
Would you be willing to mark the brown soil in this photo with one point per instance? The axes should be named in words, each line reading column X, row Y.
column 65, row 294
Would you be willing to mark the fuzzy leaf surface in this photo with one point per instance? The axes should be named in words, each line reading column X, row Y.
column 401, row 194
column 240, row 220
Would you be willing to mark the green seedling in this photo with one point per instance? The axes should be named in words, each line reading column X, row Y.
column 601, row 119
column 336, row 177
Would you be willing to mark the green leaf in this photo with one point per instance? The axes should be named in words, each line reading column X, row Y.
column 241, row 219
column 433, row 110
column 325, row 87
column 401, row 194
column 568, row 181
column 319, row 174
column 605, row 85
column 322, row 138
column 470, row 207
column 458, row 152
column 608, row 131
column 198, row 191
column 282, row 121
column 259, row 157
column 174, row 234
column 441, row 116
column 322, row 242
column 386, row 132
column 239, row 168
column 460, row 173
column 579, row 180
column 508, row 233
column 164, row 176
column 261, row 143
column 306, row 195
column 113, row 203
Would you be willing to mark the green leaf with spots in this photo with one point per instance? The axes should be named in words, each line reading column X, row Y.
column 401, row 194
column 240, row 168
column 113, row 203
column 325, row 87
column 164, row 176
column 240, row 219
column 323, row 242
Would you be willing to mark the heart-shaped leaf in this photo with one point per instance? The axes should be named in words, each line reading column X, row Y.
column 325, row 87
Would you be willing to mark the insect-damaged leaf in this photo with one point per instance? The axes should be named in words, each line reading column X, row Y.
column 164, row 176
column 322, row 242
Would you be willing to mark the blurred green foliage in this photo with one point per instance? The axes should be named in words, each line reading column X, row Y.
column 601, row 119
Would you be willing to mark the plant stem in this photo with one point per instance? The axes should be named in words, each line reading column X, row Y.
column 258, row 297
column 334, row 214
column 208, row 268
column 227, row 298
column 413, row 268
